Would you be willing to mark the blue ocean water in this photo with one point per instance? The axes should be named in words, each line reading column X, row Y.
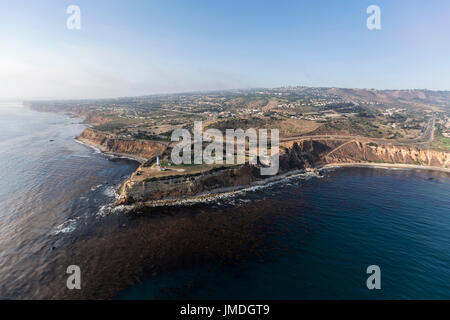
column 297, row 239
column 334, row 228
column 50, row 186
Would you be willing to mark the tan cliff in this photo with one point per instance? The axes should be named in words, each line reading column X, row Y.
column 294, row 155
column 139, row 149
column 317, row 152
column 358, row 152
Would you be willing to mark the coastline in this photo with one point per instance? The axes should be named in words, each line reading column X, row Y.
column 86, row 142
column 226, row 192
column 213, row 195
column 225, row 195
column 99, row 148
column 381, row 165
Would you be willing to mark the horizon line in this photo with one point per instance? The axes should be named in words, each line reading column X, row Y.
column 16, row 99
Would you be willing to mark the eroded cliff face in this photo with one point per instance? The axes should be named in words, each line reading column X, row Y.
column 301, row 154
column 318, row 152
column 133, row 190
column 109, row 143
column 359, row 152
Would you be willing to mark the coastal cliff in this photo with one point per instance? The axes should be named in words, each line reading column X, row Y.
column 320, row 152
column 133, row 190
column 138, row 149
column 294, row 155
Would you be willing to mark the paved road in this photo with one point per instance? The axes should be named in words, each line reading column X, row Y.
column 428, row 133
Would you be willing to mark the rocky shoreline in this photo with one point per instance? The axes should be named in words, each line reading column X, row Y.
column 227, row 192
column 296, row 157
column 382, row 165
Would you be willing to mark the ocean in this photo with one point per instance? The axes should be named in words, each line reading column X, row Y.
column 300, row 238
column 49, row 186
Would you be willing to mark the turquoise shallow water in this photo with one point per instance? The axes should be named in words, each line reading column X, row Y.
column 298, row 239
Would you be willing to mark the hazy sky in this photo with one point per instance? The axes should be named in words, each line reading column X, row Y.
column 127, row 48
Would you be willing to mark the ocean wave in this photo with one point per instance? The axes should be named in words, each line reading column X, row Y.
column 111, row 192
column 111, row 208
column 66, row 227
column 104, row 211
column 96, row 187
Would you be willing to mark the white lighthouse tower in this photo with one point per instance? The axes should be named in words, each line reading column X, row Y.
column 158, row 165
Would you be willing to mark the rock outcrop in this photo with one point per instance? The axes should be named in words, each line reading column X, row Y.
column 133, row 191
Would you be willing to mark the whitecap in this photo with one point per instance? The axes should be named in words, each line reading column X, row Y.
column 111, row 192
column 96, row 187
column 66, row 227
column 104, row 210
